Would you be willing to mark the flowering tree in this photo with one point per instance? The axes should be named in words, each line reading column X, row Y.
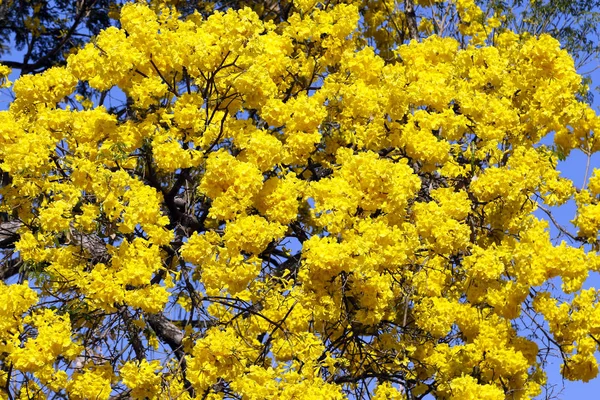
column 330, row 201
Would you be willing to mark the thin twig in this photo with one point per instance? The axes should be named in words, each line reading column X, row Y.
column 587, row 168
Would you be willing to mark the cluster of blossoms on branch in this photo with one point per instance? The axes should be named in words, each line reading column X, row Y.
column 303, row 209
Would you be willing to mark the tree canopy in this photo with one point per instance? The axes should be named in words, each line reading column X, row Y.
column 295, row 200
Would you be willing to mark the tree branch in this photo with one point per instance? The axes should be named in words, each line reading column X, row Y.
column 411, row 19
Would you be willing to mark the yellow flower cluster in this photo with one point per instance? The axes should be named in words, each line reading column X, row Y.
column 92, row 383
column 142, row 378
column 320, row 211
column 37, row 355
column 231, row 184
column 4, row 72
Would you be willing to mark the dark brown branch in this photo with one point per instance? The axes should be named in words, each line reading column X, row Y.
column 8, row 233
column 169, row 334
column 411, row 19
column 133, row 332
column 10, row 268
